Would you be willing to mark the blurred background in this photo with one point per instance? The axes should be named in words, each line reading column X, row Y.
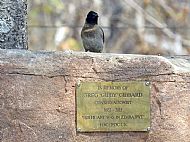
column 160, row 27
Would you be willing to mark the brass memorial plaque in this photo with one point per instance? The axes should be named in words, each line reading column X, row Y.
column 113, row 106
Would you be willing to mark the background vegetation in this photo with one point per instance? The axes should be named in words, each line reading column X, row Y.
column 131, row 26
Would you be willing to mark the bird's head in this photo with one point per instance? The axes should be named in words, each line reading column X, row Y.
column 92, row 18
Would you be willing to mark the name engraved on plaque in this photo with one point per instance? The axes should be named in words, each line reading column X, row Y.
column 113, row 106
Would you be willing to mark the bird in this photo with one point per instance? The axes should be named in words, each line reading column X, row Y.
column 92, row 34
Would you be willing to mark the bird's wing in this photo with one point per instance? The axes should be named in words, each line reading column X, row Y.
column 102, row 34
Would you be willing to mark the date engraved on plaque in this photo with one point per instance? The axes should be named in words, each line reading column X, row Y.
column 113, row 106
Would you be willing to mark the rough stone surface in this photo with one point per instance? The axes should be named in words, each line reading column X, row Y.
column 37, row 95
column 13, row 24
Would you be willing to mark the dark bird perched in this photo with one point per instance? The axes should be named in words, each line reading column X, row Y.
column 92, row 34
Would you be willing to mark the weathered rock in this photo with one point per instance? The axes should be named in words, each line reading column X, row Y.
column 37, row 97
column 13, row 33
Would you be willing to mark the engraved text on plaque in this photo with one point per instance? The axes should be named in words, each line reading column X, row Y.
column 113, row 106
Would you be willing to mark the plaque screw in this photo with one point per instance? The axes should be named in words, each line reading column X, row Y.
column 147, row 83
column 78, row 83
column 78, row 129
column 148, row 129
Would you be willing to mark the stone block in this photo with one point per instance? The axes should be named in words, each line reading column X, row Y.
column 13, row 27
column 37, row 95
